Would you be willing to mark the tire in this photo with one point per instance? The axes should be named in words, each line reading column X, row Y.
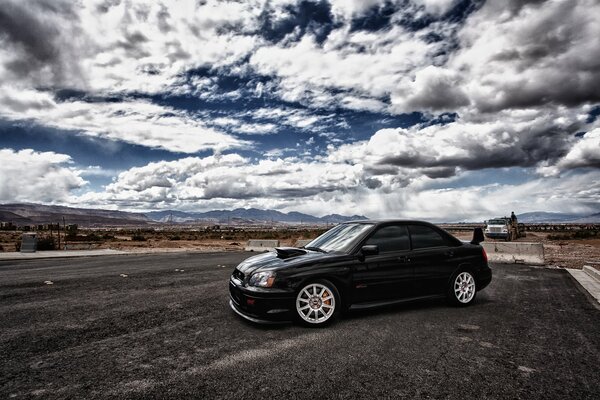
column 318, row 303
column 462, row 288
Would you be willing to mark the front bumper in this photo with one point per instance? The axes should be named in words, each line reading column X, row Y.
column 496, row 235
column 262, row 306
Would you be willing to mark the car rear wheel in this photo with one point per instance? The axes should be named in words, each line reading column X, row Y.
column 318, row 303
column 462, row 289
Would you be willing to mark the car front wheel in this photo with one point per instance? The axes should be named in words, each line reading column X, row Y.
column 318, row 303
column 462, row 289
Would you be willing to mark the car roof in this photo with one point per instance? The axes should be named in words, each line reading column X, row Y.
column 387, row 221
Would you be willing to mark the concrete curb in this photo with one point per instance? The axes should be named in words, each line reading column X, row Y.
column 589, row 280
column 16, row 256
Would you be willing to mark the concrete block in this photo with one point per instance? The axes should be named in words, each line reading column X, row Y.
column 261, row 245
column 591, row 271
column 28, row 243
column 303, row 242
column 515, row 252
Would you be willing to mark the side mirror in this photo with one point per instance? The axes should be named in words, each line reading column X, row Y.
column 369, row 250
column 477, row 236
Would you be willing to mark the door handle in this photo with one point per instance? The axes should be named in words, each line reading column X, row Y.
column 404, row 259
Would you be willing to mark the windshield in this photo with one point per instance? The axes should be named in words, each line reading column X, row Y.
column 497, row 222
column 340, row 238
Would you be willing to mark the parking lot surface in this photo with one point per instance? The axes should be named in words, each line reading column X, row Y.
column 159, row 326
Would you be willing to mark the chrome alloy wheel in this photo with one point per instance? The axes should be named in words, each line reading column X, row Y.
column 464, row 287
column 315, row 303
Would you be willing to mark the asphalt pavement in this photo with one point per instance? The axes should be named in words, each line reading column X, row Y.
column 159, row 326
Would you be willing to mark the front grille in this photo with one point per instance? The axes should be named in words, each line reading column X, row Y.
column 496, row 230
column 239, row 275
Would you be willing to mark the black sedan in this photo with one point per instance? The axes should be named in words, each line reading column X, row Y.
column 358, row 265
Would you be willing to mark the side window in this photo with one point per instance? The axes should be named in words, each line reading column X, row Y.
column 424, row 236
column 391, row 238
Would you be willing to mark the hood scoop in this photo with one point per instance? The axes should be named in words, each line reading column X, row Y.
column 289, row 252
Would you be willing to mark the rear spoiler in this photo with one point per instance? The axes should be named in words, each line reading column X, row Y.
column 477, row 236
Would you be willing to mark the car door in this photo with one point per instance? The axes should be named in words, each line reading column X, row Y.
column 433, row 260
column 389, row 274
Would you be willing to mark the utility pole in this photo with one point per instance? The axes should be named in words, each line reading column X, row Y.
column 65, row 229
column 58, row 234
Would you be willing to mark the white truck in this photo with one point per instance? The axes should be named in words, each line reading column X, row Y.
column 505, row 228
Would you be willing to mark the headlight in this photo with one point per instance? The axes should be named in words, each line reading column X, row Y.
column 262, row 279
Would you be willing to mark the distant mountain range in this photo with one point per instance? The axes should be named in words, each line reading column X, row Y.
column 33, row 214
column 548, row 217
column 248, row 215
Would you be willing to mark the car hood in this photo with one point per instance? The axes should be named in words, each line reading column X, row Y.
column 289, row 257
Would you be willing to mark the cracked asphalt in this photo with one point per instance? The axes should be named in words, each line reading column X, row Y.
column 159, row 326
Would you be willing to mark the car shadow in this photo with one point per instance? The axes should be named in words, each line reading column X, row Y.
column 395, row 308
column 350, row 315
column 425, row 304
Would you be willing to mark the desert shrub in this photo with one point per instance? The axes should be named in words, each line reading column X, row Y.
column 46, row 244
column 577, row 235
column 585, row 234
column 92, row 237
column 175, row 237
column 138, row 238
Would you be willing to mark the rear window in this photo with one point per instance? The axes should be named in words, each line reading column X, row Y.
column 424, row 236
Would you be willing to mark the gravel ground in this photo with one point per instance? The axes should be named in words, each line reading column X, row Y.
column 159, row 326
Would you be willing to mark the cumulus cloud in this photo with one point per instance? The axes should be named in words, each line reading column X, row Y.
column 352, row 8
column 433, row 89
column 363, row 64
column 525, row 139
column 318, row 187
column 348, row 9
column 134, row 121
column 576, row 193
column 228, row 177
column 529, row 54
column 45, row 53
column 28, row 175
column 100, row 46
column 436, row 7
column 584, row 153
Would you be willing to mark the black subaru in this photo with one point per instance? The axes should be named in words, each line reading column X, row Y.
column 358, row 265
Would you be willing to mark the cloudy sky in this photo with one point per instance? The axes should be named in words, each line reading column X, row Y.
column 434, row 109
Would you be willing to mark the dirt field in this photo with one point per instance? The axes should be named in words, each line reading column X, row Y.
column 563, row 253
column 171, row 239
column 566, row 253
